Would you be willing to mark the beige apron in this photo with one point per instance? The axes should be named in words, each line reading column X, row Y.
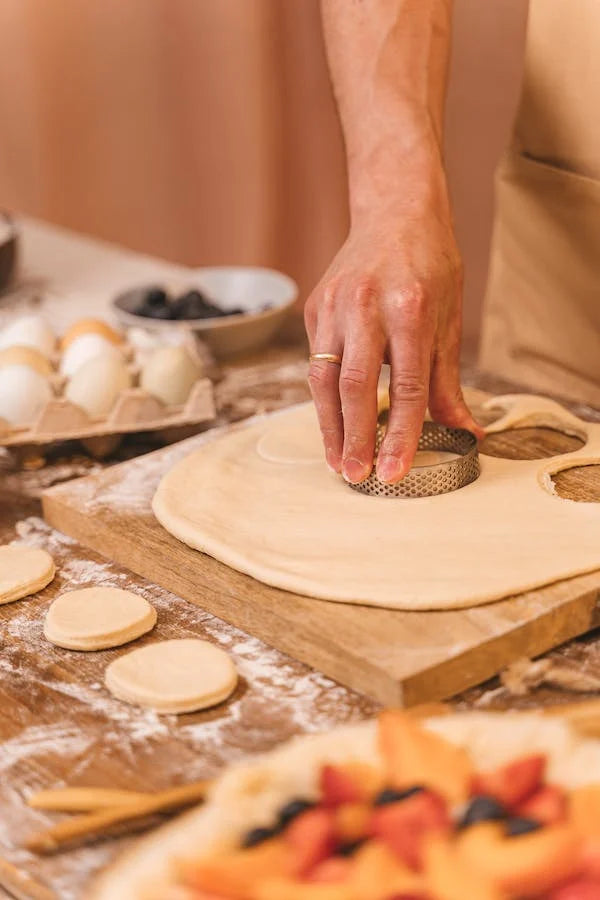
column 542, row 314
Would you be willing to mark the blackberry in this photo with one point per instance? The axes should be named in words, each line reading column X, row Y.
column 482, row 809
column 257, row 836
column 350, row 848
column 391, row 795
column 293, row 809
column 517, row 826
column 194, row 305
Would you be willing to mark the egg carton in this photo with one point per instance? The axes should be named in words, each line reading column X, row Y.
column 135, row 410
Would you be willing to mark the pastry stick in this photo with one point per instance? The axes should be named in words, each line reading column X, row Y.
column 83, row 799
column 20, row 886
column 94, row 823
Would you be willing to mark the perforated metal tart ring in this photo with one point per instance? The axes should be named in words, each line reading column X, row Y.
column 427, row 481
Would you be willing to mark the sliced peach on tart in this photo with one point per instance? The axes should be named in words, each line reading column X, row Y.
column 233, row 875
column 378, row 874
column 413, row 755
column 584, row 810
column 521, row 863
column 449, row 877
column 290, row 889
column 352, row 822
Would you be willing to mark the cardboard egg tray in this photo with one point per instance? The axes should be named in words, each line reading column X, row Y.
column 135, row 410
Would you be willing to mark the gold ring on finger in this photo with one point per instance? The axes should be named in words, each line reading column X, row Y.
column 326, row 357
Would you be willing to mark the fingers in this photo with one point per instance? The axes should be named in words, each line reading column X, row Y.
column 324, row 379
column 446, row 402
column 363, row 356
column 412, row 329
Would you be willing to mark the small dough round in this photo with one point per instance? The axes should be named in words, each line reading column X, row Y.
column 89, row 326
column 175, row 676
column 170, row 374
column 20, row 355
column 96, row 384
column 23, row 394
column 23, row 571
column 294, row 441
column 29, row 331
column 86, row 347
column 95, row 618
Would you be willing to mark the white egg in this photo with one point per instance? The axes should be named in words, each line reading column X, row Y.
column 29, row 331
column 84, row 348
column 23, row 394
column 170, row 374
column 97, row 383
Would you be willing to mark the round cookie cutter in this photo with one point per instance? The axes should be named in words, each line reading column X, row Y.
column 428, row 481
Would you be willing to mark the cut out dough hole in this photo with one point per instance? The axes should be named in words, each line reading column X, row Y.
column 581, row 483
column 529, row 443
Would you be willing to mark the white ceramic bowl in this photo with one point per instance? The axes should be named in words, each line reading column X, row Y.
column 229, row 287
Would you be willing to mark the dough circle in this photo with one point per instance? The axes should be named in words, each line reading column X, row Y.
column 174, row 676
column 95, row 618
column 293, row 440
column 23, row 571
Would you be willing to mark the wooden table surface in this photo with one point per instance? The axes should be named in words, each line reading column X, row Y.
column 58, row 725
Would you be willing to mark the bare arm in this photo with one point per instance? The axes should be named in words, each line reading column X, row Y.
column 394, row 290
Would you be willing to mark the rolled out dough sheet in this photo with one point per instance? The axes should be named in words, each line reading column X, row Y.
column 261, row 500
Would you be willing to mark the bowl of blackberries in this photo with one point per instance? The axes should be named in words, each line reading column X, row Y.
column 234, row 309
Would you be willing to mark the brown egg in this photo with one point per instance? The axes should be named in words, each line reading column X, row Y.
column 89, row 326
column 25, row 356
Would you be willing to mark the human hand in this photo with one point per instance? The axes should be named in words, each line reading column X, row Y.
column 393, row 293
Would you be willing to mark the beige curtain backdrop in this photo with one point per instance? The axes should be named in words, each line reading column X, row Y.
column 205, row 131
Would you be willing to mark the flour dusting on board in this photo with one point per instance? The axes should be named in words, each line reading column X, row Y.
column 48, row 739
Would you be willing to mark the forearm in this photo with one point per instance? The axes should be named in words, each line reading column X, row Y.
column 388, row 61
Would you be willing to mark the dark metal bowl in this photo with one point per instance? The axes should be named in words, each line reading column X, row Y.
column 8, row 250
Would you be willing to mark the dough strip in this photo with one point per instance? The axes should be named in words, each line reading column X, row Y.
column 79, row 827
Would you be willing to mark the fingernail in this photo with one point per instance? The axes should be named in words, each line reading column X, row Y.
column 389, row 469
column 355, row 471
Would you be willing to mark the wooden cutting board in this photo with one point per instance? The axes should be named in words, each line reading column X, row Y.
column 396, row 657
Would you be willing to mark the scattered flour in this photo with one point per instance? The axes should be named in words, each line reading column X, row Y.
column 42, row 739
